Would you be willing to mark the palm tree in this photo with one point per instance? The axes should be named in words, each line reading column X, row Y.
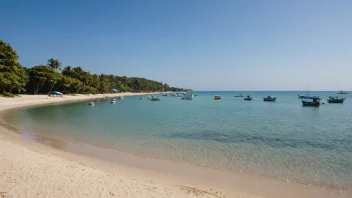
column 67, row 71
column 54, row 64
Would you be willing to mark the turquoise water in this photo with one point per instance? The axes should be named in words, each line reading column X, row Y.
column 280, row 139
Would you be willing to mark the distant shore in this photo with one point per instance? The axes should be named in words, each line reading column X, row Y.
column 30, row 169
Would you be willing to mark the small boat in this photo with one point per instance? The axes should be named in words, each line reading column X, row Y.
column 217, row 97
column 120, row 97
column 188, row 97
column 240, row 95
column 335, row 99
column 270, row 99
column 342, row 92
column 113, row 101
column 248, row 98
column 153, row 98
column 311, row 101
column 303, row 96
column 91, row 103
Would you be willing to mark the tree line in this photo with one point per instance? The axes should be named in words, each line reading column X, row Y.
column 43, row 79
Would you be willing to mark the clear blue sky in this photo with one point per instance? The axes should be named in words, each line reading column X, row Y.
column 199, row 44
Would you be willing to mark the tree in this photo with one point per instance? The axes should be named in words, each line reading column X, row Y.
column 42, row 76
column 54, row 64
column 13, row 75
column 67, row 71
column 15, row 78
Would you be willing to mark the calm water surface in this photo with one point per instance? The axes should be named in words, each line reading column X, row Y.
column 281, row 139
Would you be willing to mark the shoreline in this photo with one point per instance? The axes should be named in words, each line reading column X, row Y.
column 163, row 178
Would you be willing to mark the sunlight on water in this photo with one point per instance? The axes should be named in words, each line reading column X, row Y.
column 281, row 139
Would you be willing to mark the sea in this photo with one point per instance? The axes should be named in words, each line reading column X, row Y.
column 282, row 139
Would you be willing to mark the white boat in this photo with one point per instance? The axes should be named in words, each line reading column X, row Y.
column 153, row 98
column 113, row 101
column 91, row 103
column 188, row 97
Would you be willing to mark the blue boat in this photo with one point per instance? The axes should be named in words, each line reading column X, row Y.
column 311, row 101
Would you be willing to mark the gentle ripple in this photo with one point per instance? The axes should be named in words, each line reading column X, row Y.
column 281, row 139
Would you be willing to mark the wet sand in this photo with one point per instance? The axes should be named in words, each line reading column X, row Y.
column 62, row 169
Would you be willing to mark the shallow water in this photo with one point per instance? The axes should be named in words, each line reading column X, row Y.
column 281, row 139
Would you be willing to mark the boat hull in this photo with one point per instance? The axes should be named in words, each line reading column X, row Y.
column 335, row 101
column 310, row 104
column 155, row 99
column 248, row 99
column 269, row 99
column 303, row 97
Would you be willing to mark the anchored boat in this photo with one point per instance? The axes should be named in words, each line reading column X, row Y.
column 217, row 97
column 335, row 99
column 248, row 97
column 342, row 92
column 188, row 97
column 240, row 95
column 303, row 96
column 153, row 98
column 270, row 99
column 311, row 101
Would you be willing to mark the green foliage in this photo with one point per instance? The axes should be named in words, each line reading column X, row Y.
column 43, row 79
column 54, row 64
column 8, row 94
column 13, row 76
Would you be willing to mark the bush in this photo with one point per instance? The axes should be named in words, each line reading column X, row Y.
column 8, row 94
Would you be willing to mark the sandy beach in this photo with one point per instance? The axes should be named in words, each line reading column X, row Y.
column 31, row 169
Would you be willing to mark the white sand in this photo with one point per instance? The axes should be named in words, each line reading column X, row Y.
column 30, row 169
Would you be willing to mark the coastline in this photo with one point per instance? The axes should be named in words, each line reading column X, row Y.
column 30, row 169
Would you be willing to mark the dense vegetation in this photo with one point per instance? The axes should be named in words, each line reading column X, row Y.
column 43, row 79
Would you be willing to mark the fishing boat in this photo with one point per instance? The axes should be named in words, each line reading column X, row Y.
column 335, row 99
column 342, row 92
column 153, row 98
column 188, row 97
column 248, row 97
column 113, row 101
column 311, row 101
column 240, row 95
column 91, row 103
column 217, row 97
column 270, row 99
column 303, row 96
